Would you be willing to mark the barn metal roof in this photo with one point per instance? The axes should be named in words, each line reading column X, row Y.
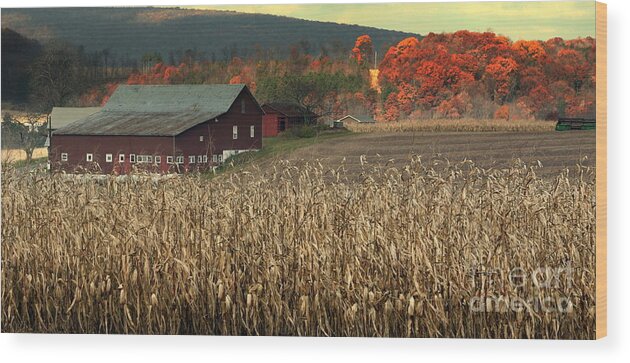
column 62, row 116
column 156, row 110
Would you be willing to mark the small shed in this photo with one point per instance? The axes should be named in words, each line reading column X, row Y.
column 280, row 117
column 359, row 119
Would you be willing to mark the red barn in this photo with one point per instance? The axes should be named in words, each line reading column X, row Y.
column 283, row 116
column 161, row 128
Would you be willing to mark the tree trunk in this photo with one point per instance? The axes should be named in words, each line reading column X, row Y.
column 29, row 155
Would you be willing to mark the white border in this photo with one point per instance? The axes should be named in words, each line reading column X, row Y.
column 98, row 348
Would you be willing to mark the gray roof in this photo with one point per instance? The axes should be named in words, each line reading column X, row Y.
column 156, row 110
column 359, row 118
column 62, row 116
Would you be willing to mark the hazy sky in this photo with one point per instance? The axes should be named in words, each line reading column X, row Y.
column 517, row 20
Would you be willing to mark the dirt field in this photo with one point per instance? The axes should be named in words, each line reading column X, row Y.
column 555, row 150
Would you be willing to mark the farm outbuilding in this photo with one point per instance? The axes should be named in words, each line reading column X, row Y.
column 161, row 128
column 280, row 117
column 360, row 119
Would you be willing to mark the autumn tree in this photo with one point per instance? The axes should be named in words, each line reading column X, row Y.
column 430, row 75
column 501, row 73
column 363, row 51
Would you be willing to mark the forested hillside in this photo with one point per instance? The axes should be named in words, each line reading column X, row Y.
column 130, row 33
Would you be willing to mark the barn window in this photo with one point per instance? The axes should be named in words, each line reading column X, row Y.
column 251, row 131
column 234, row 132
column 132, row 158
column 191, row 159
column 199, row 158
column 109, row 158
column 89, row 157
column 121, row 158
column 220, row 157
column 148, row 158
column 180, row 159
column 201, row 138
column 169, row 160
column 214, row 158
column 158, row 159
column 242, row 106
column 205, row 158
column 64, row 156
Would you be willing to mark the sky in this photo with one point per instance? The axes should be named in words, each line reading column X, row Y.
column 517, row 20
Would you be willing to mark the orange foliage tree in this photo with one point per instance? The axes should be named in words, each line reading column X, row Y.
column 470, row 74
column 363, row 50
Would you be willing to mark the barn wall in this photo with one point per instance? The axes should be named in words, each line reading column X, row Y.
column 77, row 146
column 217, row 133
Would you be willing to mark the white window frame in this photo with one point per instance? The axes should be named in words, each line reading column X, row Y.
column 205, row 158
column 220, row 158
column 157, row 159
column 121, row 158
column 199, row 159
column 144, row 159
column 89, row 157
column 179, row 159
column 132, row 158
column 201, row 138
column 252, row 131
column 234, row 132
column 169, row 159
column 214, row 158
column 64, row 156
column 191, row 159
column 109, row 158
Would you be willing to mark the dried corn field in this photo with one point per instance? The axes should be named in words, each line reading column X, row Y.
column 456, row 125
column 401, row 252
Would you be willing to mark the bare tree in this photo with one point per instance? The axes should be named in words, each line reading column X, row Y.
column 26, row 133
column 55, row 75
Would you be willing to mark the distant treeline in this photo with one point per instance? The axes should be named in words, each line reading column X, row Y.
column 450, row 75
column 484, row 75
column 40, row 76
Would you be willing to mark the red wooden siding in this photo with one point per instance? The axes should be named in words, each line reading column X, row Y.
column 270, row 125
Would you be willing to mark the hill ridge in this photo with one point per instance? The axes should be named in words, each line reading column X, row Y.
column 220, row 34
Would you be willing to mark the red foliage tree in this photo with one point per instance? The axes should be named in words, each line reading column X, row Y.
column 502, row 73
column 502, row 113
column 363, row 50
column 540, row 102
